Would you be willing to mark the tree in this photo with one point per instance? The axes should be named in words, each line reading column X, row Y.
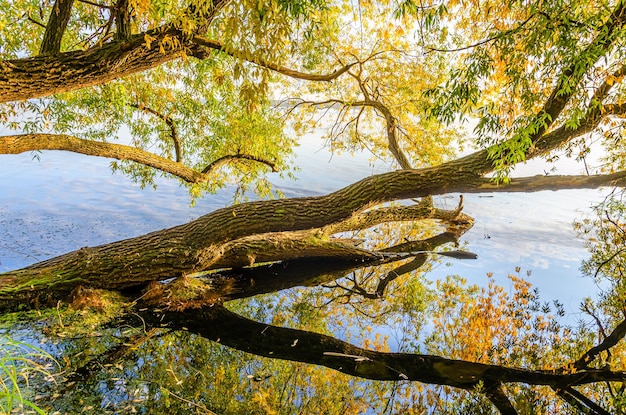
column 538, row 78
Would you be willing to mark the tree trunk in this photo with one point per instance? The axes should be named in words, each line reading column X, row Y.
column 261, row 231
column 59, row 18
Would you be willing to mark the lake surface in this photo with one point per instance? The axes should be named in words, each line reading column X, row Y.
column 66, row 201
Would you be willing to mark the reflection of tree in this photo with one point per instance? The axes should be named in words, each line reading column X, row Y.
column 423, row 247
column 178, row 332
column 606, row 236
column 219, row 324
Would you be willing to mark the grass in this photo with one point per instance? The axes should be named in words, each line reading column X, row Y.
column 19, row 362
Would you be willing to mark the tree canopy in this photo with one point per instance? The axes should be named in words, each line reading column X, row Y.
column 217, row 92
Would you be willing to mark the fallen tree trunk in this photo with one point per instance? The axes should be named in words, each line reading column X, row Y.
column 261, row 231
column 204, row 245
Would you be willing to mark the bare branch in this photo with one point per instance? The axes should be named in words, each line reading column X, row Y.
column 487, row 40
column 32, row 19
column 202, row 41
column 390, row 121
column 422, row 210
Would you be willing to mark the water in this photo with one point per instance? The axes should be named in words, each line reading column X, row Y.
column 65, row 201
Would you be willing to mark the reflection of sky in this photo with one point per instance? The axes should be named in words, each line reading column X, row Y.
column 531, row 231
column 67, row 201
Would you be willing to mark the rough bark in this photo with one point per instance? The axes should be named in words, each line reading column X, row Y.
column 122, row 20
column 46, row 75
column 241, row 235
column 59, row 18
column 224, row 238
column 41, row 76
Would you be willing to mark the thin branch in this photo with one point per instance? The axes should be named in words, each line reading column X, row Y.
column 572, row 401
column 484, row 41
column 91, row 3
column 111, row 356
column 228, row 158
column 390, row 121
column 170, row 123
column 202, row 41
column 588, row 310
column 607, row 261
column 603, row 90
column 33, row 20
column 611, row 340
column 581, row 402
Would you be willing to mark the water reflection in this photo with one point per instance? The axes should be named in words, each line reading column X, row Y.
column 164, row 360
column 62, row 206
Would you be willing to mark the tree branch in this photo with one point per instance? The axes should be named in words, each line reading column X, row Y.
column 572, row 74
column 498, row 398
column 211, row 44
column 486, row 40
column 611, row 340
column 580, row 402
column 422, row 210
column 68, row 71
column 57, row 23
column 91, row 3
column 541, row 140
column 170, row 123
column 228, row 158
column 16, row 144
column 392, row 129
column 122, row 20
column 219, row 324
column 230, row 234
column 539, row 183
